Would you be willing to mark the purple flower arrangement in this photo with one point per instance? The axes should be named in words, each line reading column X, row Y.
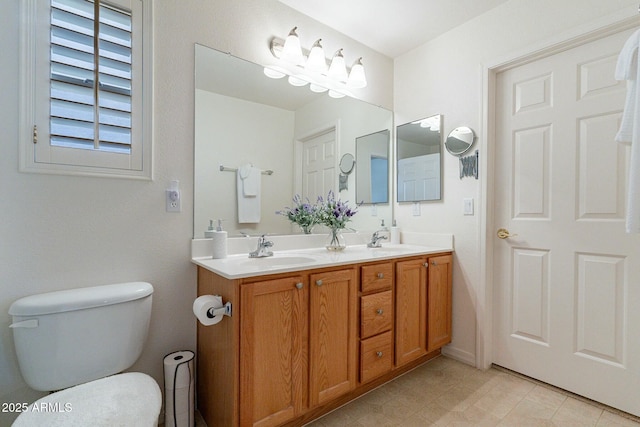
column 303, row 213
column 329, row 212
column 334, row 213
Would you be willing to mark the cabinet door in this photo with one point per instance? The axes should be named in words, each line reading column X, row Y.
column 273, row 349
column 439, row 302
column 411, row 310
column 332, row 335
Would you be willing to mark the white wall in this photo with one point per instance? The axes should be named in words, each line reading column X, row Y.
column 444, row 76
column 60, row 232
column 242, row 132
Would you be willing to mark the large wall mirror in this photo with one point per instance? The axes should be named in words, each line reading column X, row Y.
column 419, row 160
column 372, row 167
column 242, row 117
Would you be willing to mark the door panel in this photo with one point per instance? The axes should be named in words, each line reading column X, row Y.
column 567, row 282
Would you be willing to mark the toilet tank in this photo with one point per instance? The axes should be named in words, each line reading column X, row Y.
column 70, row 337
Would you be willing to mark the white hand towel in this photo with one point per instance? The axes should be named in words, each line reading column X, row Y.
column 627, row 69
column 248, row 206
column 250, row 180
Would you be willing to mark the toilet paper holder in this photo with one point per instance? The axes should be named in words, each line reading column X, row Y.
column 225, row 310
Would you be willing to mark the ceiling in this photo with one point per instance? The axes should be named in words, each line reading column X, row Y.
column 392, row 27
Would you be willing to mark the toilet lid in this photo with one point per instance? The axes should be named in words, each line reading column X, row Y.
column 130, row 399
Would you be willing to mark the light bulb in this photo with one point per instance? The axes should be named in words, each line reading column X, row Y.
column 297, row 81
column 316, row 62
column 357, row 78
column 274, row 72
column 338, row 69
column 317, row 88
column 292, row 51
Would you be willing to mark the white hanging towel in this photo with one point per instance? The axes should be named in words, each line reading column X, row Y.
column 248, row 190
column 627, row 69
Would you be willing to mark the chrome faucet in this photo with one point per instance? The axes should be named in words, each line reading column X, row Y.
column 261, row 251
column 376, row 238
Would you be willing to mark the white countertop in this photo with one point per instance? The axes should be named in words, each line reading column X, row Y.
column 240, row 265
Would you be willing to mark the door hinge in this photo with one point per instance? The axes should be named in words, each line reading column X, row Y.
column 35, row 134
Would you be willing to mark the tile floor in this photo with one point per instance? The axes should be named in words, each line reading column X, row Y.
column 445, row 392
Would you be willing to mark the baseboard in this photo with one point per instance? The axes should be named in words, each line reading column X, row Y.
column 459, row 355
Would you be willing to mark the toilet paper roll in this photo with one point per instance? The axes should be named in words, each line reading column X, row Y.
column 201, row 306
column 179, row 384
column 219, row 245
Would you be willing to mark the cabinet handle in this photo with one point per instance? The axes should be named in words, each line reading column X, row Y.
column 319, row 282
column 434, row 263
column 380, row 275
column 299, row 285
column 379, row 354
column 379, row 311
column 426, row 264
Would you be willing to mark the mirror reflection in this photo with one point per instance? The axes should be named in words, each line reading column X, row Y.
column 459, row 140
column 419, row 149
column 372, row 167
column 244, row 119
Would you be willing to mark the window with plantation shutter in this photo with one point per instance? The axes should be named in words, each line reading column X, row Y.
column 89, row 80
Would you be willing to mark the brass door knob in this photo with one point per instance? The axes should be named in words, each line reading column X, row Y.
column 503, row 233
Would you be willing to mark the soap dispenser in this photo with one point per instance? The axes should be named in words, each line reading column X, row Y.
column 219, row 246
column 208, row 234
column 395, row 233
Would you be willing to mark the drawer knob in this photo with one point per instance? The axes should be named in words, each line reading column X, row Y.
column 380, row 275
column 379, row 354
column 299, row 285
column 319, row 282
column 379, row 311
column 434, row 263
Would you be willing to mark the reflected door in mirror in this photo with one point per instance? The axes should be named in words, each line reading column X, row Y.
column 372, row 167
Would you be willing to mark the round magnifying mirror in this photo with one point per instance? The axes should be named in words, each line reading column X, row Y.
column 459, row 140
column 346, row 163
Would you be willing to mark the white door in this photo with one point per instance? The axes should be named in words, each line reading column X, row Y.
column 419, row 178
column 319, row 165
column 567, row 285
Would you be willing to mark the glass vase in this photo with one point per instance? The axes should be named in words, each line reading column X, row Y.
column 335, row 240
column 307, row 229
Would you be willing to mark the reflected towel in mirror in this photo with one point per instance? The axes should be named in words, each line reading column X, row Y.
column 248, row 180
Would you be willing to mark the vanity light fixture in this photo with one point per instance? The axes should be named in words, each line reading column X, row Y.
column 312, row 69
column 431, row 123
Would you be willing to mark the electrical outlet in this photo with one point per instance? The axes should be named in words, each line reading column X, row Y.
column 374, row 210
column 173, row 197
column 173, row 201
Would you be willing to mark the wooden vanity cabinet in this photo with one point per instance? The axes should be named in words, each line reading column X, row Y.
column 303, row 343
column 439, row 294
column 297, row 344
column 273, row 345
column 376, row 320
column 411, row 310
column 423, row 306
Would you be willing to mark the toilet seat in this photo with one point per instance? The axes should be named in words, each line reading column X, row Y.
column 129, row 399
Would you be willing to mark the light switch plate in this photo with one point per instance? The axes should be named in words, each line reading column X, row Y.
column 467, row 208
column 416, row 209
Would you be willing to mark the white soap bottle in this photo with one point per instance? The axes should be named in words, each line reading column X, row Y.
column 208, row 233
column 395, row 233
column 219, row 245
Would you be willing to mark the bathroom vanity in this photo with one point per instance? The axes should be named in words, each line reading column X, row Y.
column 312, row 330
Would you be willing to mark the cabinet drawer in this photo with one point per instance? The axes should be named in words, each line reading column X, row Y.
column 376, row 313
column 377, row 277
column 376, row 356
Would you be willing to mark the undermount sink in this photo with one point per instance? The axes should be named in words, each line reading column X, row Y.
column 277, row 261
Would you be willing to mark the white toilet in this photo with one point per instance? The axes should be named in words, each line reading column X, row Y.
column 75, row 341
